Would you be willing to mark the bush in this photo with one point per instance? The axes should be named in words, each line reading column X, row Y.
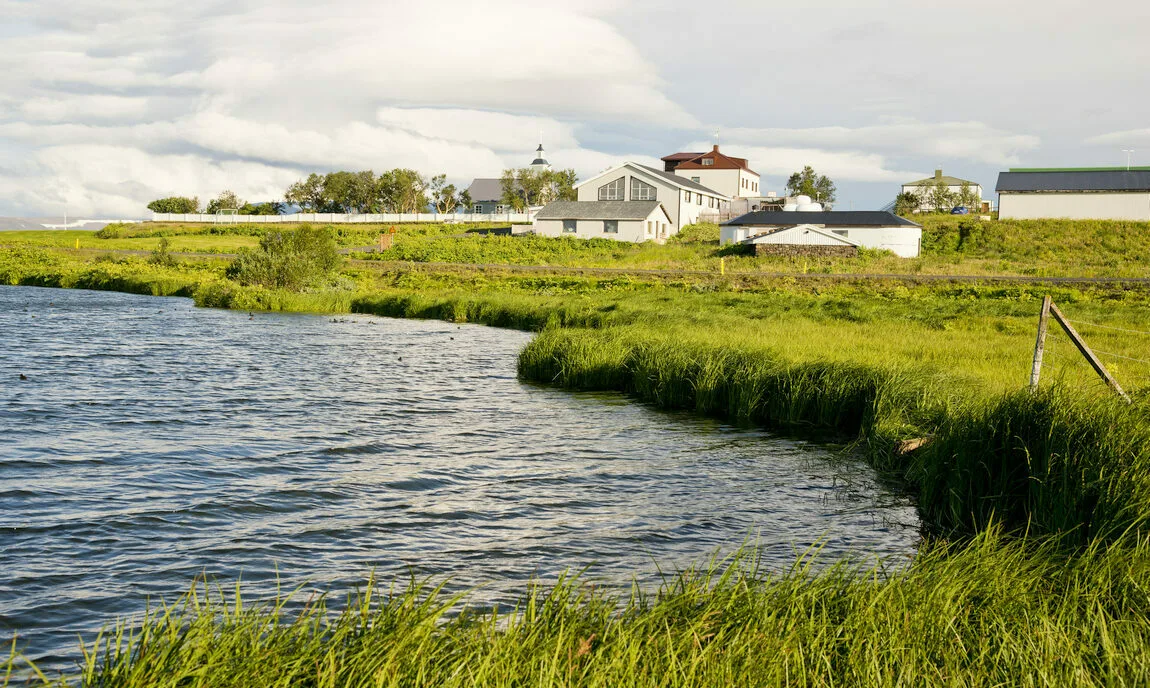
column 162, row 254
column 175, row 204
column 703, row 231
column 294, row 260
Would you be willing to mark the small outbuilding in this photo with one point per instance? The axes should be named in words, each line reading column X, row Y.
column 857, row 228
column 634, row 221
column 1076, row 194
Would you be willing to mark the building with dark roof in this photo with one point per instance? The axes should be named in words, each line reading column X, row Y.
column 730, row 176
column 634, row 221
column 866, row 228
column 1090, row 193
column 684, row 199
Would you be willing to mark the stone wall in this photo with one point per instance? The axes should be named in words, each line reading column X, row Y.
column 804, row 250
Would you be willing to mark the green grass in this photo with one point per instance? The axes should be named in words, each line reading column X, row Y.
column 992, row 612
column 1035, row 570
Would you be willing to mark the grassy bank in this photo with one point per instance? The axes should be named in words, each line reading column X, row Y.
column 1062, row 600
column 992, row 613
column 950, row 246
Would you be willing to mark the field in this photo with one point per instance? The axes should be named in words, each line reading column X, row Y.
column 1034, row 571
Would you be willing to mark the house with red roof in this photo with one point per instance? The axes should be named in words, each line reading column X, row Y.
column 730, row 176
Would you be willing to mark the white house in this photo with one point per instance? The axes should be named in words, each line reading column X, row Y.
column 684, row 200
column 634, row 221
column 923, row 187
column 867, row 228
column 730, row 176
column 1078, row 194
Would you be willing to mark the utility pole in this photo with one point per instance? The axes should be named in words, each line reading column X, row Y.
column 1129, row 152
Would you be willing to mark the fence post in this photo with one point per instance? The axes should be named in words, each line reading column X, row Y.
column 1087, row 353
column 1043, row 322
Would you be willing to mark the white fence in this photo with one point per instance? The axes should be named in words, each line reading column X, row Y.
column 340, row 218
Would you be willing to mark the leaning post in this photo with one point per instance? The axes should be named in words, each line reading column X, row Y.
column 1087, row 353
column 1043, row 322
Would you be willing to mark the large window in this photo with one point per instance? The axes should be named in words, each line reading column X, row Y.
column 642, row 191
column 613, row 191
column 570, row 226
column 610, row 226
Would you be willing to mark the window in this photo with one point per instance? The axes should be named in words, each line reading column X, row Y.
column 687, row 196
column 695, row 179
column 642, row 191
column 477, row 208
column 613, row 191
column 840, row 232
column 610, row 226
column 698, row 199
column 570, row 226
column 649, row 226
column 708, row 162
column 500, row 209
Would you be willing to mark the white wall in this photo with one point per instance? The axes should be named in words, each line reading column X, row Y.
column 629, row 230
column 956, row 190
column 799, row 236
column 1074, row 206
column 340, row 218
column 672, row 197
column 727, row 182
column 902, row 241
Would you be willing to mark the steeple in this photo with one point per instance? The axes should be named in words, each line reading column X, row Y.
column 540, row 161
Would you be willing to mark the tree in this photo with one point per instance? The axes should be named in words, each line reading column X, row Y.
column 227, row 200
column 939, row 196
column 442, row 194
column 510, row 193
column 465, row 200
column 268, row 208
column 565, row 185
column 810, row 183
column 967, row 197
column 402, row 191
column 906, row 203
column 175, row 204
column 349, row 192
column 293, row 260
column 308, row 194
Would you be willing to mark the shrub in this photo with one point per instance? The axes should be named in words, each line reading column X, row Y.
column 175, row 204
column 293, row 260
column 162, row 254
column 703, row 231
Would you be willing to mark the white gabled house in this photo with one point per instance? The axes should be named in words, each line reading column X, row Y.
column 683, row 199
column 634, row 221
column 866, row 228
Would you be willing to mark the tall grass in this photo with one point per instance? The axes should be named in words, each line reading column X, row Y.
column 991, row 612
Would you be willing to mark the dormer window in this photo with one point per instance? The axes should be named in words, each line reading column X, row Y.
column 613, row 191
column 707, row 162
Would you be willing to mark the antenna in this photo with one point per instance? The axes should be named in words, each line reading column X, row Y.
column 1129, row 154
column 716, row 136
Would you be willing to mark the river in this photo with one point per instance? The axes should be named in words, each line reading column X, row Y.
column 153, row 441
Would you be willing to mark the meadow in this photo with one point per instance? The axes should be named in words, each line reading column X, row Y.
column 1034, row 569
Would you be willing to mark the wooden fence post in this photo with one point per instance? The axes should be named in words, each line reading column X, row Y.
column 1086, row 352
column 1043, row 321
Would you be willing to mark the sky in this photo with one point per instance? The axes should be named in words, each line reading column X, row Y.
column 108, row 104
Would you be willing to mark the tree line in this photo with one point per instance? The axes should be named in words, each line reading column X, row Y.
column 936, row 195
column 395, row 191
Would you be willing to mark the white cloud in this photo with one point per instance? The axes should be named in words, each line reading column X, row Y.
column 776, row 162
column 1130, row 137
column 970, row 141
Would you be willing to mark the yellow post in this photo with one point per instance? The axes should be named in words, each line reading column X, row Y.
column 722, row 266
column 77, row 242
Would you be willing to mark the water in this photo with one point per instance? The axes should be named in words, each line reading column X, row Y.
column 153, row 441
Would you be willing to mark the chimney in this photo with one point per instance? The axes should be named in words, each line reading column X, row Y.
column 716, row 149
column 938, row 174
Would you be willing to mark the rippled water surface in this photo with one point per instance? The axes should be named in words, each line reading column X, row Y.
column 153, row 441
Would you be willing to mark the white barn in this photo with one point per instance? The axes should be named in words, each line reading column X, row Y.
column 634, row 221
column 684, row 200
column 1076, row 194
column 861, row 228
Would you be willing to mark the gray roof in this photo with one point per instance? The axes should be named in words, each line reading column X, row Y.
column 828, row 218
column 486, row 190
column 598, row 210
column 1075, row 180
column 684, row 182
column 945, row 179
